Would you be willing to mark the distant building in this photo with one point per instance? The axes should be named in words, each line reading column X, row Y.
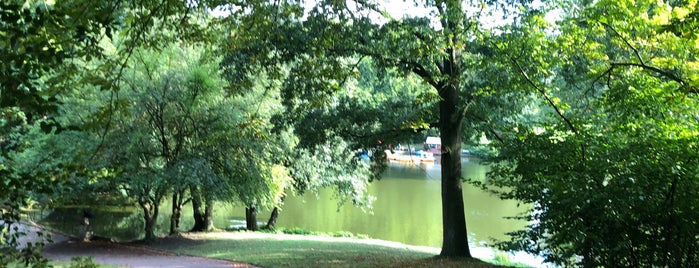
column 433, row 145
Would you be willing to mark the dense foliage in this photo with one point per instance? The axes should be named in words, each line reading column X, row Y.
column 593, row 115
column 611, row 164
column 447, row 49
column 37, row 38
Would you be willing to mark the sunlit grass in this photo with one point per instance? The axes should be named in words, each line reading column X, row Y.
column 284, row 250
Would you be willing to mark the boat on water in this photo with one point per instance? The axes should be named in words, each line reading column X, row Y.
column 415, row 157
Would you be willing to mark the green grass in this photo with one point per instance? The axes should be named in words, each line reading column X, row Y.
column 502, row 258
column 299, row 231
column 284, row 250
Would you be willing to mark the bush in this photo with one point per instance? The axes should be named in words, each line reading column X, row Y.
column 83, row 262
column 629, row 204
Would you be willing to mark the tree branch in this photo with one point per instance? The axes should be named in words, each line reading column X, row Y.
column 442, row 14
column 654, row 69
column 375, row 8
column 583, row 150
column 635, row 51
column 487, row 122
column 642, row 64
column 412, row 65
column 546, row 96
column 420, row 70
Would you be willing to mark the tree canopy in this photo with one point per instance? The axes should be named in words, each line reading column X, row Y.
column 592, row 113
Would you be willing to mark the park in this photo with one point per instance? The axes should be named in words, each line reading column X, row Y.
column 441, row 133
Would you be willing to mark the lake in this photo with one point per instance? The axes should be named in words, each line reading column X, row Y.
column 407, row 208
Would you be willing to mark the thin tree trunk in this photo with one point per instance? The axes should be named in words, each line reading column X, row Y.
column 150, row 217
column 272, row 222
column 454, row 235
column 87, row 228
column 209, row 215
column 251, row 218
column 176, row 212
column 588, row 259
column 197, row 212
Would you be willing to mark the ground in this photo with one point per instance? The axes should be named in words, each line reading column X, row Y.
column 281, row 250
column 129, row 255
column 64, row 248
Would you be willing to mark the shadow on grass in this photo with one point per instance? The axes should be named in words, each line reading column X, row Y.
column 268, row 250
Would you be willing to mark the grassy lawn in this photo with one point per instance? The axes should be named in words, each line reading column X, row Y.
column 283, row 250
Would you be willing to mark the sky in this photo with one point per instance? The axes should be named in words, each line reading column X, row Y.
column 398, row 9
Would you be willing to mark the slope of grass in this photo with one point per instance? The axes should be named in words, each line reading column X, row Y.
column 283, row 250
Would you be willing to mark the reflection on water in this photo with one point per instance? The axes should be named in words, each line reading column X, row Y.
column 407, row 209
column 120, row 223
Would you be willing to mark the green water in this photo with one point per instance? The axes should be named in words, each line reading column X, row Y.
column 407, row 209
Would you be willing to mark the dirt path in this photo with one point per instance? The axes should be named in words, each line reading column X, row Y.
column 64, row 248
column 129, row 255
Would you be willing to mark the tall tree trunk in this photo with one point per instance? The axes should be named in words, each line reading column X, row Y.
column 454, row 235
column 209, row 215
column 197, row 212
column 251, row 218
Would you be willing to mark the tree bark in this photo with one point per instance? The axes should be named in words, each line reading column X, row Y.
column 150, row 217
column 197, row 212
column 209, row 215
column 454, row 234
column 272, row 222
column 176, row 212
column 251, row 218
